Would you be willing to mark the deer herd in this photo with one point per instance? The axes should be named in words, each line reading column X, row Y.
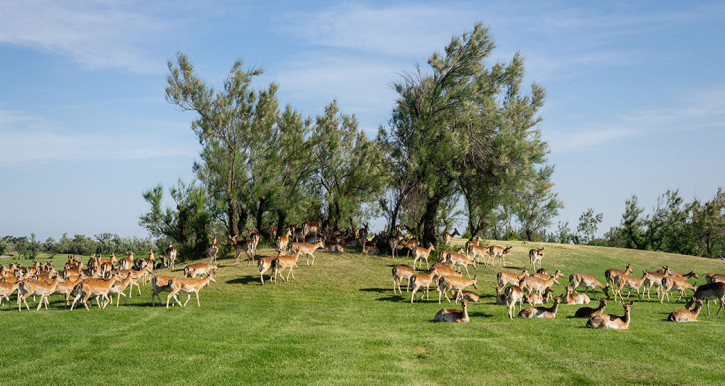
column 101, row 278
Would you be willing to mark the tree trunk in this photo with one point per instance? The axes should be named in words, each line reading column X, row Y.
column 429, row 218
column 258, row 220
column 242, row 222
column 232, row 216
column 281, row 218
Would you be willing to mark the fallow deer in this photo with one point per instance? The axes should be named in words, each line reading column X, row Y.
column 588, row 282
column 188, row 285
column 420, row 253
column 541, row 312
column 454, row 315
column 588, row 312
column 447, row 283
column 535, row 256
column 612, row 321
column 308, row 250
column 572, row 297
column 514, row 295
column 611, row 274
column 401, row 272
column 684, row 314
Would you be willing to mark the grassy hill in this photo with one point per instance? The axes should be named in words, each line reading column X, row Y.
column 340, row 322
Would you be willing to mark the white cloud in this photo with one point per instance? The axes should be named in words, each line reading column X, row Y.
column 95, row 34
column 398, row 30
column 25, row 139
column 703, row 110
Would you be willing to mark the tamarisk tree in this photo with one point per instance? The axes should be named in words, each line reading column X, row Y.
column 230, row 123
column 466, row 127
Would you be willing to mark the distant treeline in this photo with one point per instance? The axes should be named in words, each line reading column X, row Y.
column 103, row 243
column 676, row 226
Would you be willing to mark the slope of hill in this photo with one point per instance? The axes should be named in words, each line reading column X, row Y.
column 339, row 322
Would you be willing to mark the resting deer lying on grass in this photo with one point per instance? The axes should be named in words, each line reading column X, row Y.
column 468, row 296
column 574, row 298
column 541, row 312
column 612, row 321
column 684, row 314
column 588, row 312
column 453, row 315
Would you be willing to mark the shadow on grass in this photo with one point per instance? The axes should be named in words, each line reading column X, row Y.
column 378, row 290
column 248, row 279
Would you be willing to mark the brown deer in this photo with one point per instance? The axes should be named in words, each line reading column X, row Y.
column 541, row 312
column 447, row 283
column 514, row 294
column 588, row 312
column 612, row 321
column 401, row 272
column 453, row 315
column 535, row 256
column 684, row 314
column 588, row 282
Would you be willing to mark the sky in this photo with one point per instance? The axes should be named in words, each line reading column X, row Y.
column 635, row 92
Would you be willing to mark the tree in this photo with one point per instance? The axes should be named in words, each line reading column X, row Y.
column 230, row 123
column 708, row 226
column 28, row 249
column 536, row 205
column 288, row 165
column 349, row 167
column 465, row 127
column 632, row 225
column 186, row 225
column 588, row 225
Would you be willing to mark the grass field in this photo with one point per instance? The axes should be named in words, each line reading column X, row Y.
column 340, row 322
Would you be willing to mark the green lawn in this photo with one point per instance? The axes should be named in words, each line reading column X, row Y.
column 340, row 322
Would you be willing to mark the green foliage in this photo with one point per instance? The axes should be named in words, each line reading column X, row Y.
column 588, row 225
column 28, row 248
column 231, row 124
column 467, row 127
column 3, row 246
column 536, row 204
column 676, row 226
column 350, row 167
column 186, row 225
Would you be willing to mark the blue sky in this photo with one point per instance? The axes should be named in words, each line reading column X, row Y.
column 635, row 92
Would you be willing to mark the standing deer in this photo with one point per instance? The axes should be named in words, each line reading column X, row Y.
column 535, row 256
